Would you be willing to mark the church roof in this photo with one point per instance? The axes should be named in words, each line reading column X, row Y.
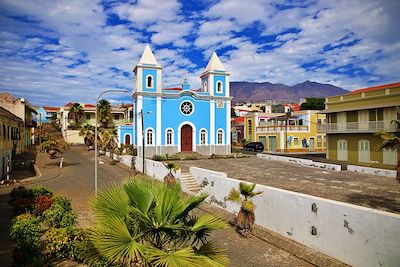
column 148, row 57
column 214, row 64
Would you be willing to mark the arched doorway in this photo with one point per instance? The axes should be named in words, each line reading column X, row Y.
column 127, row 139
column 186, row 138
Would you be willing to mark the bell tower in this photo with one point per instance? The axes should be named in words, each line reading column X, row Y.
column 148, row 73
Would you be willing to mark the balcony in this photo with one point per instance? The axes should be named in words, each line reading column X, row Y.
column 282, row 128
column 355, row 127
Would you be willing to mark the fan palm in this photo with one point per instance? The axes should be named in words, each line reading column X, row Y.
column 77, row 112
column 391, row 138
column 144, row 223
column 245, row 218
column 88, row 133
column 170, row 179
column 104, row 112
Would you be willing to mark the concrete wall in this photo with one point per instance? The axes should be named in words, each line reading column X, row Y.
column 374, row 171
column 352, row 234
column 303, row 162
column 72, row 137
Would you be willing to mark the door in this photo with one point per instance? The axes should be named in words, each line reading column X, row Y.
column 127, row 139
column 363, row 151
column 272, row 143
column 262, row 139
column 311, row 147
column 186, row 138
column 363, row 119
column 342, row 150
column 390, row 156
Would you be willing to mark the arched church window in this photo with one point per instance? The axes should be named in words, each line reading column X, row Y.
column 149, row 137
column 205, row 86
column 219, row 87
column 203, row 137
column 220, row 137
column 169, row 137
column 187, row 108
column 149, row 81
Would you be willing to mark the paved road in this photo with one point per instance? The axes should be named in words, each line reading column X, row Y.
column 371, row 191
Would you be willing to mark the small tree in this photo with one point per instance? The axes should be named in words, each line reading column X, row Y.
column 170, row 179
column 391, row 139
column 245, row 217
column 76, row 111
column 88, row 133
column 313, row 103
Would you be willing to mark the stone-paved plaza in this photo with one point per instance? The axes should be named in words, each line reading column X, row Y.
column 366, row 190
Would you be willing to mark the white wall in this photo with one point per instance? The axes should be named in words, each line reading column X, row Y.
column 373, row 171
column 352, row 234
column 72, row 137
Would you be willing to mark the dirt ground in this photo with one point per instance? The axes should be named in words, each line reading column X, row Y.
column 382, row 193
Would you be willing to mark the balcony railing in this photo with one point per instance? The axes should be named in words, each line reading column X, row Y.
column 282, row 128
column 355, row 127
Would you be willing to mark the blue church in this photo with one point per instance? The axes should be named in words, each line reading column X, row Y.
column 179, row 119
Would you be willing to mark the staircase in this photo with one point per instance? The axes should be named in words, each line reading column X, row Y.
column 189, row 183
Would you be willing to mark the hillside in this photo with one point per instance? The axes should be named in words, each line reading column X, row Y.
column 258, row 92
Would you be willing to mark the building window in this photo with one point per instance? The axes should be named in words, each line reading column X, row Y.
column 149, row 137
column 187, row 108
column 116, row 117
column 87, row 116
column 219, row 87
column 205, row 86
column 250, row 128
column 363, row 151
column 220, row 137
column 203, row 137
column 296, row 141
column 169, row 137
column 319, row 141
column 149, row 81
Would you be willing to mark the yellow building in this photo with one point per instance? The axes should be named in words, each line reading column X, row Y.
column 352, row 121
column 11, row 139
column 299, row 128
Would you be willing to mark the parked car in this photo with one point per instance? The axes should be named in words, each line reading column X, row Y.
column 254, row 146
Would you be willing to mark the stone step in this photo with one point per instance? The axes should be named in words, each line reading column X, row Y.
column 191, row 184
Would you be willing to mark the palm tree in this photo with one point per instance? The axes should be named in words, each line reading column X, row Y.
column 104, row 112
column 88, row 133
column 77, row 112
column 146, row 223
column 391, row 139
column 245, row 218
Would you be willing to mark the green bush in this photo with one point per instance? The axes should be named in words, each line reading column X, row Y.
column 59, row 242
column 41, row 191
column 60, row 213
column 21, row 192
column 25, row 232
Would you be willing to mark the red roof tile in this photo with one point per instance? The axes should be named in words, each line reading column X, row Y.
column 173, row 89
column 238, row 120
column 380, row 87
column 89, row 106
column 51, row 108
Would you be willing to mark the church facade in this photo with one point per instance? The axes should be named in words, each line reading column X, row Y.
column 181, row 119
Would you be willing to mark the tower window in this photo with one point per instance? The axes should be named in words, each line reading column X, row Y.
column 149, row 81
column 205, row 87
column 219, row 87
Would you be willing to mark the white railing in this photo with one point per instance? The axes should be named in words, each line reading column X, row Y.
column 356, row 127
column 289, row 128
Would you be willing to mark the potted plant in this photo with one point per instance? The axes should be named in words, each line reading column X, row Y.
column 245, row 217
column 170, row 179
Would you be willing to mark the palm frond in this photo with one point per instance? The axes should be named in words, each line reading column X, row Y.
column 234, row 196
column 180, row 258
column 214, row 256
column 139, row 195
column 115, row 243
column 111, row 201
column 190, row 204
column 246, row 189
column 209, row 222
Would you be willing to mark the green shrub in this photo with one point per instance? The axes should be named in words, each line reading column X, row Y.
column 59, row 242
column 25, row 232
column 41, row 191
column 21, row 192
column 60, row 213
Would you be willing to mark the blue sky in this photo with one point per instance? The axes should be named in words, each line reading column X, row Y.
column 53, row 52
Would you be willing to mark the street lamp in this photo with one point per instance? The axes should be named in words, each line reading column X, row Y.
column 95, row 134
column 288, row 114
column 140, row 113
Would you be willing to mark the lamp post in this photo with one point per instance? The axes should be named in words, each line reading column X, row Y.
column 287, row 115
column 95, row 135
column 141, row 115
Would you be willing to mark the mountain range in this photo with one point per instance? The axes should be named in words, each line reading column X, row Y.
column 258, row 92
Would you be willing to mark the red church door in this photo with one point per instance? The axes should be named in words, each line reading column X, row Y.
column 186, row 138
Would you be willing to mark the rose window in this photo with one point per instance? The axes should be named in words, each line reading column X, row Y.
column 187, row 108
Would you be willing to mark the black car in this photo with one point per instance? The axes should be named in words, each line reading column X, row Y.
column 254, row 146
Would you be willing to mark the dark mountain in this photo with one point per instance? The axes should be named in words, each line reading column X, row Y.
column 258, row 92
